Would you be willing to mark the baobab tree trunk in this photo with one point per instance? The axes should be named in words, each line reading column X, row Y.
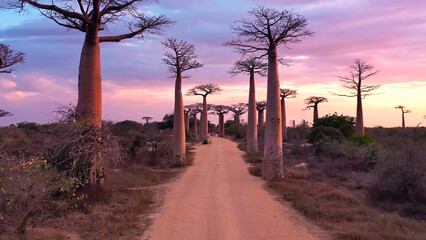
column 272, row 167
column 260, row 120
column 251, row 121
column 89, row 106
column 195, row 126
column 221, row 126
column 359, row 124
column 204, row 120
column 237, row 118
column 403, row 119
column 284, row 121
column 186, row 121
column 178, row 124
column 315, row 112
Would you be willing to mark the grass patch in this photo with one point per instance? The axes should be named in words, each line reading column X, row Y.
column 342, row 212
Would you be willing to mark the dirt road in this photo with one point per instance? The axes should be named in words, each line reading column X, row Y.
column 218, row 199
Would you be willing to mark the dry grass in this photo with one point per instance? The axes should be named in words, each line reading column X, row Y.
column 342, row 212
column 329, row 203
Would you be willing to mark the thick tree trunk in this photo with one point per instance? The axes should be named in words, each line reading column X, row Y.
column 204, row 120
column 403, row 119
column 251, row 121
column 186, row 120
column 359, row 124
column 89, row 105
column 221, row 126
column 260, row 120
column 178, row 124
column 195, row 126
column 284, row 119
column 315, row 112
column 272, row 167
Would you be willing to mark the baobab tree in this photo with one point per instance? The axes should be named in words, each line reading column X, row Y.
column 285, row 93
column 262, row 35
column 260, row 106
column 251, row 66
column 221, row 110
column 204, row 90
column 8, row 58
column 313, row 102
column 195, row 109
column 186, row 112
column 90, row 17
column 238, row 110
column 4, row 113
column 147, row 119
column 180, row 59
column 359, row 72
column 403, row 111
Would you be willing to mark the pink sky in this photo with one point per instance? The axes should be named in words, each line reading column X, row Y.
column 389, row 34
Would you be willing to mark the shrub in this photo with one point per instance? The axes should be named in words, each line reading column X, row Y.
column 362, row 139
column 13, row 140
column 30, row 127
column 345, row 124
column 236, row 130
column 325, row 133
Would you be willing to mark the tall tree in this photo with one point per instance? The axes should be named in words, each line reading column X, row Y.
column 221, row 110
column 195, row 109
column 263, row 34
column 204, row 90
column 181, row 59
column 238, row 110
column 186, row 112
column 147, row 119
column 313, row 102
column 260, row 106
column 4, row 113
column 358, row 73
column 285, row 93
column 403, row 111
column 251, row 66
column 8, row 58
column 90, row 17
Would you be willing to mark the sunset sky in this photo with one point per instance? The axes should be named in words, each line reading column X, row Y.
column 388, row 34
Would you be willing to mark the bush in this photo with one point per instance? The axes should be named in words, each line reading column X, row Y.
column 325, row 133
column 236, row 130
column 13, row 140
column 345, row 124
column 30, row 127
column 362, row 139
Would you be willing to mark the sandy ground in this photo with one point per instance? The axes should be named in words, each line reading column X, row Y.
column 218, row 199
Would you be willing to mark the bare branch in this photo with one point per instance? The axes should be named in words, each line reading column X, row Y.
column 315, row 101
column 249, row 65
column 260, row 106
column 182, row 57
column 287, row 93
column 4, row 113
column 239, row 108
column 8, row 58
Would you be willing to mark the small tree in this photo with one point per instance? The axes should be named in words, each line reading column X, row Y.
column 285, row 93
column 263, row 34
column 204, row 90
column 359, row 72
column 260, row 106
column 8, row 58
column 238, row 110
column 221, row 110
column 403, row 111
column 181, row 59
column 251, row 66
column 313, row 102
column 147, row 119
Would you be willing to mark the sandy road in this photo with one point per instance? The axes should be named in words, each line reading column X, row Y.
column 218, row 199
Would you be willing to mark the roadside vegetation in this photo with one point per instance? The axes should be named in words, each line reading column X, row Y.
column 44, row 179
column 370, row 186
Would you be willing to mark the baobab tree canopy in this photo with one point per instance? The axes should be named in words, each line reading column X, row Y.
column 268, row 28
column 288, row 93
column 181, row 58
column 4, row 113
column 359, row 72
column 313, row 100
column 249, row 65
column 8, row 58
